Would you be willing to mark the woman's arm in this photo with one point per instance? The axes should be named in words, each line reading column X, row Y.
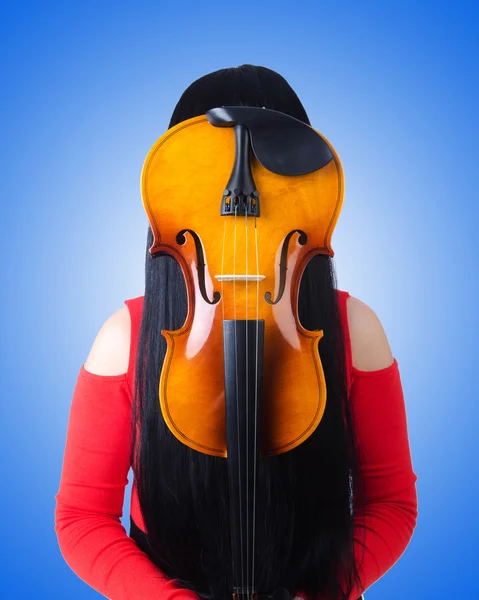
column 96, row 462
column 385, row 520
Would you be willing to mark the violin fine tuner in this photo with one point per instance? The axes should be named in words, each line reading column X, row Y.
column 237, row 202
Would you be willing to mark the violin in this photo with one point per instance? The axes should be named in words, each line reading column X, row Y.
column 242, row 198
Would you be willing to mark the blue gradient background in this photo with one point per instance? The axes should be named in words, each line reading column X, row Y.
column 88, row 87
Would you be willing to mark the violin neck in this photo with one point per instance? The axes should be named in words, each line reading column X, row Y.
column 243, row 343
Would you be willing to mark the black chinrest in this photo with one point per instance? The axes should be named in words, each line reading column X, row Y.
column 281, row 143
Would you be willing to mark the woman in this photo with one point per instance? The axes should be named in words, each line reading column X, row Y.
column 342, row 506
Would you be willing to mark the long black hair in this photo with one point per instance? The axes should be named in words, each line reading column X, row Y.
column 304, row 532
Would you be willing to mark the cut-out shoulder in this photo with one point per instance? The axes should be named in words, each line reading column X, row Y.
column 109, row 354
column 369, row 344
column 370, row 350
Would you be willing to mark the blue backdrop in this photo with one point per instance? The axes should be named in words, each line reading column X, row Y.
column 88, row 87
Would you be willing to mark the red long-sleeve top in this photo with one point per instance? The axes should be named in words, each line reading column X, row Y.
column 89, row 502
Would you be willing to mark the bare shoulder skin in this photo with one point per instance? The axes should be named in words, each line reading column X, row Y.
column 369, row 344
column 110, row 351
column 370, row 348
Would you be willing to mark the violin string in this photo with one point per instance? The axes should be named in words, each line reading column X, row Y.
column 222, row 268
column 232, row 522
column 237, row 398
column 247, row 399
column 255, row 392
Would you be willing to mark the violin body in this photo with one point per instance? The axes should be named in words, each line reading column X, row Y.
column 182, row 185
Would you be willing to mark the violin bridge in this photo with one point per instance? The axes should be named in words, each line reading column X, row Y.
column 239, row 277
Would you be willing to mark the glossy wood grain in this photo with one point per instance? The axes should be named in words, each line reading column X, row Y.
column 183, row 179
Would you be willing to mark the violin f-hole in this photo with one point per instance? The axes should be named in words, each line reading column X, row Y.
column 200, row 259
column 302, row 239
